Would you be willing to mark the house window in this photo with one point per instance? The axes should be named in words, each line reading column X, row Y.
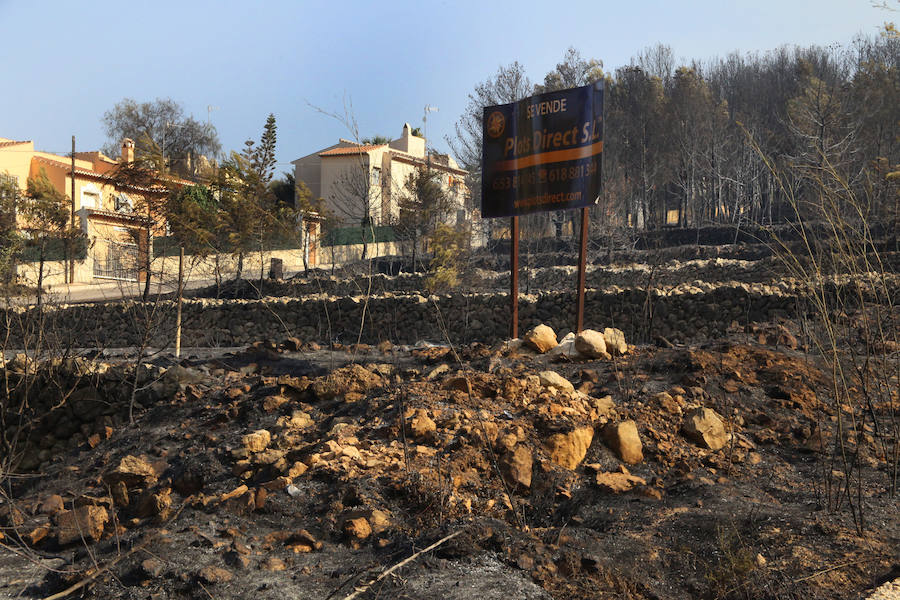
column 122, row 203
column 11, row 180
column 6, row 178
column 90, row 197
column 8, row 194
column 673, row 216
column 376, row 176
column 90, row 200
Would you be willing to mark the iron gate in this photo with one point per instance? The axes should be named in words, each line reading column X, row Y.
column 120, row 262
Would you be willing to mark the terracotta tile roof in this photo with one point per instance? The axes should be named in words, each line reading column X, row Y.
column 10, row 143
column 437, row 166
column 68, row 167
column 88, row 173
column 174, row 179
column 95, row 154
column 347, row 150
column 108, row 214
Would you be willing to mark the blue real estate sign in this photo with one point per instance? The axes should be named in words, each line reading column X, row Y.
column 543, row 153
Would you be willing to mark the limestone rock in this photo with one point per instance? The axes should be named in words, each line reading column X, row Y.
column 358, row 529
column 591, row 343
column 134, row 472
column 155, row 504
column 569, row 449
column 52, row 505
column 269, row 456
column 459, row 383
column 153, row 567
column 541, row 338
column 293, row 344
column 235, row 493
column 379, row 520
column 119, row 493
column 36, row 532
column 272, row 403
column 352, row 452
column 213, row 575
column 86, row 521
column 704, row 426
column 565, row 348
column 624, row 440
column 667, row 403
column 257, row 441
column 236, row 560
column 617, row 482
column 421, row 424
column 297, row 469
column 516, row 465
column 179, row 375
column 297, row 420
column 615, row 341
column 272, row 563
column 604, row 406
column 303, row 541
column 555, row 380
column 350, row 379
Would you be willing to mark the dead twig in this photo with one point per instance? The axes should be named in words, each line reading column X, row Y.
column 836, row 567
column 399, row 565
column 93, row 574
column 99, row 571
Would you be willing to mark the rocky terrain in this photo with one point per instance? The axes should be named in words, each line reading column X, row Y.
column 587, row 468
column 347, row 436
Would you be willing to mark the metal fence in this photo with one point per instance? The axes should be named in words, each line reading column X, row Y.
column 120, row 262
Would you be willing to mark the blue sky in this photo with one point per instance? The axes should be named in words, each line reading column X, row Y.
column 64, row 63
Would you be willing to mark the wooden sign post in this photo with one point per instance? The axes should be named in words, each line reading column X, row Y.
column 582, row 268
column 514, row 278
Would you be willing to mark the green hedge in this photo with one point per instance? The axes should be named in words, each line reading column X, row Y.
column 54, row 250
column 168, row 245
column 345, row 236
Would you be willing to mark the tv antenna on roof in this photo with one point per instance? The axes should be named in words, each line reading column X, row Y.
column 428, row 109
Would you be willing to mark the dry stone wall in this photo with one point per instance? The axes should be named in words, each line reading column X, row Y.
column 670, row 273
column 683, row 313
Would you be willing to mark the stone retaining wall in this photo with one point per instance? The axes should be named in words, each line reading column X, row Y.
column 558, row 278
column 681, row 314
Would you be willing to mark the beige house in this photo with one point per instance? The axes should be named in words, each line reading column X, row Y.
column 118, row 237
column 359, row 180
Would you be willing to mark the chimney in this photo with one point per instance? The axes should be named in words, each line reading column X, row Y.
column 127, row 151
column 409, row 143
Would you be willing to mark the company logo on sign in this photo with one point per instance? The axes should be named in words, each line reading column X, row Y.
column 496, row 124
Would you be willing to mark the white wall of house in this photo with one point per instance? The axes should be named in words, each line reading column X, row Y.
column 381, row 173
column 409, row 143
column 308, row 169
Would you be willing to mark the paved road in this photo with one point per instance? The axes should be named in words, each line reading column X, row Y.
column 78, row 293
column 82, row 293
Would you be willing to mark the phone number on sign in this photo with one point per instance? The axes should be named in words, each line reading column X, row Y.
column 552, row 175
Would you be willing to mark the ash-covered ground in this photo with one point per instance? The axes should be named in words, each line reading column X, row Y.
column 707, row 459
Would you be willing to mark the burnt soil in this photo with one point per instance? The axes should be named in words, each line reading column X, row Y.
column 349, row 443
